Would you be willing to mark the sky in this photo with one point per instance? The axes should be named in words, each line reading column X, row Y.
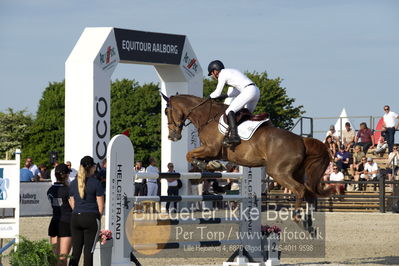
column 329, row 54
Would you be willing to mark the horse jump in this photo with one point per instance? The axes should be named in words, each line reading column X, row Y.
column 295, row 162
column 120, row 185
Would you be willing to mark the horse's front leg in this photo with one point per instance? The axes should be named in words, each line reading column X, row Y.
column 198, row 155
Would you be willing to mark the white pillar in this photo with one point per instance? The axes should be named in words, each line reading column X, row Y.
column 88, row 71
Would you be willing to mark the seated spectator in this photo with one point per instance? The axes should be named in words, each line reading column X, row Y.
column 342, row 158
column 359, row 172
column 334, row 134
column 371, row 170
column 348, row 136
column 331, row 145
column 336, row 175
column 393, row 163
column 44, row 174
column 25, row 175
column 328, row 171
column 381, row 147
column 365, row 137
column 357, row 159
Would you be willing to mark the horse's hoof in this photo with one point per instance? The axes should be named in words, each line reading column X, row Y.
column 200, row 164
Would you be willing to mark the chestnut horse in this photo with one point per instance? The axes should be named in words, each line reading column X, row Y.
column 294, row 162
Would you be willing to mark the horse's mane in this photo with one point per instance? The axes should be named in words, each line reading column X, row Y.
column 198, row 99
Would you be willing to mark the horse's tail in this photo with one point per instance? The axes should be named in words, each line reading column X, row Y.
column 316, row 162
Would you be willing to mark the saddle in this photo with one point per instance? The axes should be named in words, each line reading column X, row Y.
column 244, row 115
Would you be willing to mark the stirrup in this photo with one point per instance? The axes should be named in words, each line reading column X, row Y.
column 231, row 141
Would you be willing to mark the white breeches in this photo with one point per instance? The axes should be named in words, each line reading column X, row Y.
column 248, row 98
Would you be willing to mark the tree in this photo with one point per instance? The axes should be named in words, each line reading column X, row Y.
column 274, row 99
column 47, row 131
column 137, row 109
column 13, row 127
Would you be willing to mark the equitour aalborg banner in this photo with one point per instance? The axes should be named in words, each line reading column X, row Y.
column 151, row 47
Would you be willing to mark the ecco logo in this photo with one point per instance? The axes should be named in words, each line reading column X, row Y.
column 101, row 131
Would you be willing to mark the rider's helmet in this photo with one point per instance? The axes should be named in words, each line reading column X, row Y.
column 215, row 65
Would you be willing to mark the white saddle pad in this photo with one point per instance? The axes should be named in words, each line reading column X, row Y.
column 245, row 130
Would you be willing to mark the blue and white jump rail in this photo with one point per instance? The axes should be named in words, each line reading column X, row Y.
column 120, row 187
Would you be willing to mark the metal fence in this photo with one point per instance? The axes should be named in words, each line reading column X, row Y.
column 317, row 127
column 380, row 199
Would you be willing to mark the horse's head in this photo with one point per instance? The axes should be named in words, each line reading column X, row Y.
column 175, row 117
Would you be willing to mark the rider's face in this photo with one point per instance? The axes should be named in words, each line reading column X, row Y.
column 215, row 74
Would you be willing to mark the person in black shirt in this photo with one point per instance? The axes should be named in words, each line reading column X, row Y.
column 60, row 228
column 87, row 201
column 43, row 174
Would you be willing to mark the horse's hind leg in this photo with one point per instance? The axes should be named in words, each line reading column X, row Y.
column 287, row 180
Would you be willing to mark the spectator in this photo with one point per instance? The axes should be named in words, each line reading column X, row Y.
column 360, row 172
column 233, row 168
column 44, row 174
column 139, row 183
column 334, row 134
column 60, row 226
column 331, row 145
column 73, row 173
column 102, row 173
column 358, row 154
column 173, row 188
column 196, row 188
column 25, row 175
column 365, row 137
column 87, row 202
column 336, row 175
column 348, row 136
column 381, row 147
column 328, row 171
column 371, row 169
column 52, row 174
column 152, row 184
column 389, row 126
column 342, row 158
column 393, row 163
column 31, row 166
column 234, row 186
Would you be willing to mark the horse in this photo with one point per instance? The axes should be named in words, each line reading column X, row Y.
column 295, row 162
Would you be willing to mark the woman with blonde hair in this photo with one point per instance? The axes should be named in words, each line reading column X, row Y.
column 87, row 201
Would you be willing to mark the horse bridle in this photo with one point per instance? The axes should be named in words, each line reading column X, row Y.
column 183, row 124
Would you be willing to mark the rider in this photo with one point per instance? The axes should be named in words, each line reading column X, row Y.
column 248, row 94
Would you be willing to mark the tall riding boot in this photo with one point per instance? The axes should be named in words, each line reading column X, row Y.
column 233, row 138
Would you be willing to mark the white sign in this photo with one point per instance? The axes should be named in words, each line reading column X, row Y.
column 119, row 186
column 9, row 195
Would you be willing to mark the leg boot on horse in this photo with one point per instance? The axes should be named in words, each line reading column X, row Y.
column 232, row 139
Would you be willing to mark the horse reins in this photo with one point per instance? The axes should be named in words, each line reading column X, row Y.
column 182, row 124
